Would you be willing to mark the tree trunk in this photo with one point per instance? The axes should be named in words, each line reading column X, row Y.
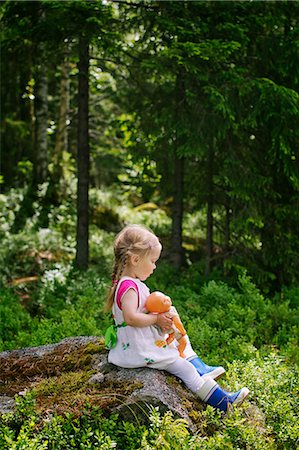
column 61, row 141
column 210, row 206
column 83, row 157
column 41, row 122
column 177, row 213
column 177, row 255
column 226, row 235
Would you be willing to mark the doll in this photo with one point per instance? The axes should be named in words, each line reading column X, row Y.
column 157, row 302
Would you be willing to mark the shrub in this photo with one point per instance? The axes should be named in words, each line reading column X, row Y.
column 14, row 319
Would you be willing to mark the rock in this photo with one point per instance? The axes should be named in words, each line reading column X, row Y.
column 96, row 378
column 7, row 404
column 75, row 372
column 153, row 388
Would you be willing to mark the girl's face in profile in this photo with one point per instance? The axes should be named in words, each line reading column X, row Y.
column 146, row 265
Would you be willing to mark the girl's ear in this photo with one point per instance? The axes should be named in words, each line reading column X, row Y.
column 135, row 260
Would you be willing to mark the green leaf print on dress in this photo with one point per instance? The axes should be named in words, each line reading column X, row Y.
column 125, row 346
column 149, row 360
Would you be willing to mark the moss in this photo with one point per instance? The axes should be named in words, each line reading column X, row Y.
column 93, row 347
column 189, row 405
column 60, row 379
column 194, row 409
column 82, row 358
column 75, row 397
column 25, row 372
column 66, row 383
column 172, row 381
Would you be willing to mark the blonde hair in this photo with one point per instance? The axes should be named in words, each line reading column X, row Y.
column 131, row 240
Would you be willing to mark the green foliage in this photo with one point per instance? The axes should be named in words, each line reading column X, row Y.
column 165, row 432
column 270, row 419
column 254, row 335
column 274, row 389
column 9, row 206
column 14, row 320
column 32, row 250
column 67, row 306
column 163, row 83
column 242, row 317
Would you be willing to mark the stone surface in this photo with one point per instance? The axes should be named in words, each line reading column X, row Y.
column 157, row 389
column 7, row 404
column 129, row 392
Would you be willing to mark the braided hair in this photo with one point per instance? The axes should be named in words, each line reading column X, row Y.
column 132, row 240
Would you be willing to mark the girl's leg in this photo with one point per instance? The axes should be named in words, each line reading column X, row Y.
column 189, row 352
column 205, row 387
column 202, row 368
column 184, row 370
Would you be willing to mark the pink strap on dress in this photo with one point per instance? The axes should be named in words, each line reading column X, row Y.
column 123, row 288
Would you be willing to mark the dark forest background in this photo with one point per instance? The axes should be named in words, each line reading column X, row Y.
column 189, row 107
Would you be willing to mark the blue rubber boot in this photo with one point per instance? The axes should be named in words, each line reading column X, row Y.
column 204, row 370
column 212, row 394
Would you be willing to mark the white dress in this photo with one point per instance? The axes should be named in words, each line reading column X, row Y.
column 139, row 346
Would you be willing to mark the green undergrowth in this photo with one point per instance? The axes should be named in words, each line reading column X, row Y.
column 59, row 308
column 225, row 322
column 69, row 303
column 252, row 336
column 268, row 420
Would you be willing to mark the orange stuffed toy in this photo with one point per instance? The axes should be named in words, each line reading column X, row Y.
column 157, row 302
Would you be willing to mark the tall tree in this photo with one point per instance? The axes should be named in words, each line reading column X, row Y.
column 41, row 121
column 83, row 155
column 81, row 22
column 61, row 137
column 210, row 208
column 176, row 250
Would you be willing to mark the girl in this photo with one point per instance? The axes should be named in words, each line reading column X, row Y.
column 139, row 342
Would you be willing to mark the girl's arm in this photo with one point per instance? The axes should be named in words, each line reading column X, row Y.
column 136, row 319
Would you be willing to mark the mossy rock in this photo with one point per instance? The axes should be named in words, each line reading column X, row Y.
column 67, row 376
column 75, row 373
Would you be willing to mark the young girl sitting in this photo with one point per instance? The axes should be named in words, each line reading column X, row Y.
column 139, row 339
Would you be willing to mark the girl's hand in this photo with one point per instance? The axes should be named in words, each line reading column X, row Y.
column 137, row 319
column 164, row 321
